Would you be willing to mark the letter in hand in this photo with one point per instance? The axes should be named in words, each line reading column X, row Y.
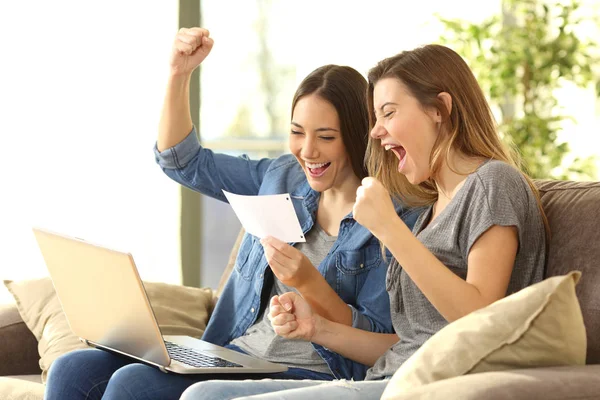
column 289, row 264
column 191, row 47
column 292, row 317
column 373, row 206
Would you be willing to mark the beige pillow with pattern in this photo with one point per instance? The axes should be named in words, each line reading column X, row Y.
column 179, row 310
column 539, row 326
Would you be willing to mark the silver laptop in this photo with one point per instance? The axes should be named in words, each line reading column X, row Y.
column 106, row 305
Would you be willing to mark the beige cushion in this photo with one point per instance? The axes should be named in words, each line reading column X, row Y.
column 538, row 326
column 13, row 388
column 179, row 310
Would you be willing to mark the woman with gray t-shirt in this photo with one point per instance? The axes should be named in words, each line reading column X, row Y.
column 482, row 234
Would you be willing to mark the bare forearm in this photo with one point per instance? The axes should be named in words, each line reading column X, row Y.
column 452, row 296
column 176, row 120
column 325, row 301
column 356, row 344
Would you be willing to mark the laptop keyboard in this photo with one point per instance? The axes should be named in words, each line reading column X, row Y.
column 195, row 358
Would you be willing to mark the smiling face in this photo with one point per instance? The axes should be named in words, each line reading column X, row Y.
column 404, row 128
column 316, row 142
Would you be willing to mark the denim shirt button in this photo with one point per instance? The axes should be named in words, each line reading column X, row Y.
column 362, row 265
column 252, row 310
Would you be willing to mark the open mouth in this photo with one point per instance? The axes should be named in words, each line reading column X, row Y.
column 400, row 152
column 317, row 169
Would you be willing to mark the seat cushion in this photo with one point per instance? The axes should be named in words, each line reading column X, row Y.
column 21, row 388
column 556, row 383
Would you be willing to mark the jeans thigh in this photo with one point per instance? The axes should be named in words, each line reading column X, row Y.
column 142, row 382
column 82, row 374
column 226, row 390
column 336, row 390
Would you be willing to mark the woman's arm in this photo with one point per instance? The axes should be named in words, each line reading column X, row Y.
column 490, row 260
column 190, row 48
column 175, row 120
column 292, row 317
column 178, row 151
column 325, row 301
column 356, row 344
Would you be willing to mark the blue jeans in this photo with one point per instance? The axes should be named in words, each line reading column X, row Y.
column 268, row 389
column 97, row 374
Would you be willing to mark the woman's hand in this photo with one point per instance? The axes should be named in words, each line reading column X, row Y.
column 373, row 208
column 288, row 264
column 292, row 317
column 190, row 48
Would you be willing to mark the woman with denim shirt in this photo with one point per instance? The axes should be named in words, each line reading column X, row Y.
column 482, row 236
column 339, row 270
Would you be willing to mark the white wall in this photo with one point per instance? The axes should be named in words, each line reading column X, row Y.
column 81, row 85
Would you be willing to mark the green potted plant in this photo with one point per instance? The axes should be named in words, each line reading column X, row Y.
column 520, row 58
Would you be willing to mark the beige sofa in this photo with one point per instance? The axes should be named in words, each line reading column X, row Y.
column 573, row 209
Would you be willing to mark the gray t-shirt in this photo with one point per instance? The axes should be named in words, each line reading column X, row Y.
column 260, row 339
column 495, row 194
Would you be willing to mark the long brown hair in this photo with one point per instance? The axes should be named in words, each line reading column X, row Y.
column 471, row 129
column 345, row 89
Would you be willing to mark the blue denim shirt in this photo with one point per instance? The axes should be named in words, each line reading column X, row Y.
column 354, row 267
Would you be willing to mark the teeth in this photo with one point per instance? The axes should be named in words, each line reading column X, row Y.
column 389, row 146
column 317, row 165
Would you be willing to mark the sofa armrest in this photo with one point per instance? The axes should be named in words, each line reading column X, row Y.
column 552, row 383
column 18, row 347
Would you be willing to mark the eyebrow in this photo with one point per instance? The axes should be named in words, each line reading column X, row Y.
column 387, row 104
column 323, row 129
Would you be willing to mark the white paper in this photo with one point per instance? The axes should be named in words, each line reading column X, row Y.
column 267, row 215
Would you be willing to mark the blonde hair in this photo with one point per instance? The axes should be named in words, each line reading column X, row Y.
column 471, row 129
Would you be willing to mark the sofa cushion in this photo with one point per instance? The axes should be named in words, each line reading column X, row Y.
column 538, row 326
column 18, row 346
column 573, row 211
column 179, row 310
column 16, row 388
column 554, row 383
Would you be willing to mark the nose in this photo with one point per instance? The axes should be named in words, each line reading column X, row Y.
column 309, row 148
column 378, row 132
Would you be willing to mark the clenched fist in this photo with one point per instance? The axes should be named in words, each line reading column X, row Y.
column 373, row 208
column 190, row 48
column 292, row 317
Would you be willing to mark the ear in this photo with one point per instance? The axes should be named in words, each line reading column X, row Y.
column 447, row 100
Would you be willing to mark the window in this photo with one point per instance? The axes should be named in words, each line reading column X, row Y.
column 80, row 102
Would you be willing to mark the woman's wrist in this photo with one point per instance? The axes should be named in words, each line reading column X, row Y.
column 179, row 79
column 320, row 328
column 393, row 230
column 310, row 281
